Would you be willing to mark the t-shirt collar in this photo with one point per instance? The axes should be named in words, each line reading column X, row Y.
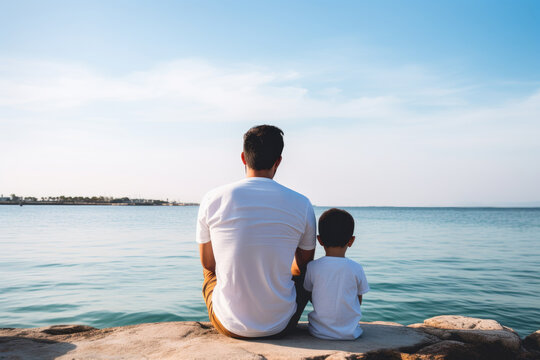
column 255, row 178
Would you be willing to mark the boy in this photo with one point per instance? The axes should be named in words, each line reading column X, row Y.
column 337, row 283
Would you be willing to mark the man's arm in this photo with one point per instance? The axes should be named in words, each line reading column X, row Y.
column 301, row 259
column 360, row 298
column 207, row 256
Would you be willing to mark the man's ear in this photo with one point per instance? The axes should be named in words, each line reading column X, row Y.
column 349, row 244
column 319, row 239
column 243, row 158
column 276, row 164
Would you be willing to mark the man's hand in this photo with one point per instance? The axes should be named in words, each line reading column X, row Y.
column 301, row 259
column 207, row 256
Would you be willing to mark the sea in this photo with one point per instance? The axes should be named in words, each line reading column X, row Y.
column 108, row 266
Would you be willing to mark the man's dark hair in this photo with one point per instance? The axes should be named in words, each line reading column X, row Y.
column 263, row 145
column 336, row 227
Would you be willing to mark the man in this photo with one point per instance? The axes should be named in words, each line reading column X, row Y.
column 252, row 234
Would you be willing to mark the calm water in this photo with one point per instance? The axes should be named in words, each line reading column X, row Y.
column 109, row 266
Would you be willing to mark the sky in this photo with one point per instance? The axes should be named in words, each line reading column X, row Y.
column 383, row 103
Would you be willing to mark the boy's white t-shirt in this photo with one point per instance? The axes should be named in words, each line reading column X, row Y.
column 335, row 283
column 255, row 226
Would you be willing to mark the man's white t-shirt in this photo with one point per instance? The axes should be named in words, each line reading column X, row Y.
column 335, row 283
column 255, row 226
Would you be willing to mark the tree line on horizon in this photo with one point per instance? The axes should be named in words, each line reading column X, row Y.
column 85, row 199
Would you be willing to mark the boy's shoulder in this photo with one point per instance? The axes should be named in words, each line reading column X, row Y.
column 316, row 264
column 354, row 263
column 325, row 261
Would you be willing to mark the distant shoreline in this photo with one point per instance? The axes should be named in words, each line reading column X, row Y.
column 24, row 203
column 163, row 203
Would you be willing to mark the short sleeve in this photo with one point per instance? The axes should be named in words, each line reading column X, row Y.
column 203, row 232
column 362, row 283
column 307, row 242
column 308, row 283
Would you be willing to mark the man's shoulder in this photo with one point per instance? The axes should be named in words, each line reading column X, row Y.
column 221, row 190
column 290, row 192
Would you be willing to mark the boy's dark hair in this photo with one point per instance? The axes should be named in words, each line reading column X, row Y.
column 336, row 227
column 263, row 145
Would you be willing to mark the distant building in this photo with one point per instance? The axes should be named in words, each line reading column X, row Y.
column 5, row 198
column 140, row 201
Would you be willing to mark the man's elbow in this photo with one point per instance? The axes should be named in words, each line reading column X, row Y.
column 303, row 257
column 208, row 261
column 208, row 266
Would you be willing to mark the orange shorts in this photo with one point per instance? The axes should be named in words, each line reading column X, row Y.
column 210, row 281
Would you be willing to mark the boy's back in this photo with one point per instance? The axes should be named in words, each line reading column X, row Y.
column 336, row 283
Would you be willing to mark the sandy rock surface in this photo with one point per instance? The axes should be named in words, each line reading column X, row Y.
column 471, row 330
column 194, row 340
column 456, row 322
column 439, row 338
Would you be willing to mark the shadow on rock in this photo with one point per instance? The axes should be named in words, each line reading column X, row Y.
column 18, row 347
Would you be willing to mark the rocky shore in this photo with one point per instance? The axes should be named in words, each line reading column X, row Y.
column 441, row 337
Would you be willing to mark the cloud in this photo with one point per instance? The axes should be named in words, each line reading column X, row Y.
column 196, row 90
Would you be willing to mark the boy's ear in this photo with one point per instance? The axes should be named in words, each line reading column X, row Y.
column 319, row 239
column 349, row 244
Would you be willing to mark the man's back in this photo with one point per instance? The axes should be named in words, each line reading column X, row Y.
column 255, row 226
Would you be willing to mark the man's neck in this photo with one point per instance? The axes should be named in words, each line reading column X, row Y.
column 267, row 173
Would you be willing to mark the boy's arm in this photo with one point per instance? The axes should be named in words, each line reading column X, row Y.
column 301, row 259
column 207, row 256
column 363, row 286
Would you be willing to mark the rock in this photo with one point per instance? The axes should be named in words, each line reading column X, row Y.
column 391, row 323
column 457, row 322
column 528, row 355
column 490, row 334
column 532, row 342
column 341, row 355
column 195, row 340
column 440, row 333
column 449, row 349
column 385, row 355
column 66, row 329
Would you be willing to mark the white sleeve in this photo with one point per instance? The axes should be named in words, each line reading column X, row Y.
column 362, row 283
column 203, row 232
column 307, row 242
column 308, row 284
